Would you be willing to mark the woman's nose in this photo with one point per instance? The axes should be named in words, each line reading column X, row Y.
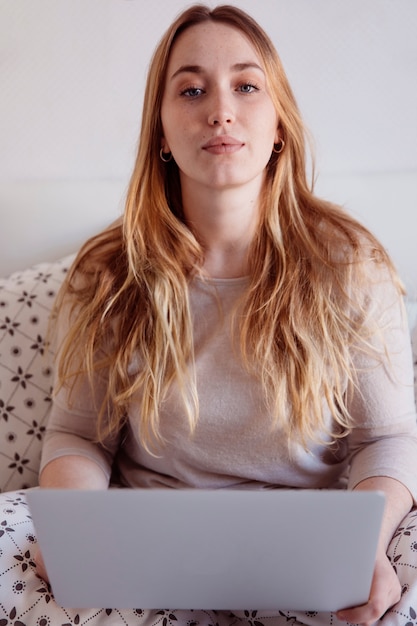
column 221, row 111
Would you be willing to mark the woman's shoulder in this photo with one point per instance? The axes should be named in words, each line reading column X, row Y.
column 346, row 239
column 99, row 264
column 348, row 256
column 101, row 251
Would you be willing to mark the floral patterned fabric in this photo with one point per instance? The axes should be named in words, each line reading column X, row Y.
column 26, row 299
column 26, row 600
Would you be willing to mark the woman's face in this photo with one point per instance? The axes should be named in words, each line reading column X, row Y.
column 218, row 119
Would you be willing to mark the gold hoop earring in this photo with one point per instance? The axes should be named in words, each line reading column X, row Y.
column 279, row 147
column 166, row 157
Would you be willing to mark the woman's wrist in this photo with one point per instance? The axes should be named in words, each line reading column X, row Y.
column 398, row 502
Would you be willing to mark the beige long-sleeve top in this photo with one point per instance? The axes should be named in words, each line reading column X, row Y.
column 233, row 445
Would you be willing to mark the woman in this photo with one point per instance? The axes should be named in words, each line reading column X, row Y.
column 233, row 329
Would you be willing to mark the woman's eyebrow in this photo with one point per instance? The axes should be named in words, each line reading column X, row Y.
column 198, row 69
column 187, row 69
column 241, row 67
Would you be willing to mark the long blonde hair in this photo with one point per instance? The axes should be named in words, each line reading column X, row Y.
column 303, row 309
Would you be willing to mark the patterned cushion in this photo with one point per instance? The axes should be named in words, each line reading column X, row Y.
column 26, row 299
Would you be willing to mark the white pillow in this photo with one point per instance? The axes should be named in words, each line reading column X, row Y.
column 26, row 299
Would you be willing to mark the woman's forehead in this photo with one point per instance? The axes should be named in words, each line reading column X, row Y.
column 210, row 42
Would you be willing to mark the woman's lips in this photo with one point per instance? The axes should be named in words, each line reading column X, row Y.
column 222, row 145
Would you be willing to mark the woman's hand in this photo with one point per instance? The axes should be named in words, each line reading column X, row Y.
column 385, row 592
column 385, row 588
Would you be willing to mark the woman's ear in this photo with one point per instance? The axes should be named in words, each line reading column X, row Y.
column 164, row 145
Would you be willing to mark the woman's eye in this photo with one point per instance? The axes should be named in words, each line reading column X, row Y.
column 247, row 88
column 192, row 92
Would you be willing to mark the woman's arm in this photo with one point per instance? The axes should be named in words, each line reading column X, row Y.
column 383, row 442
column 73, row 472
column 385, row 589
column 69, row 472
column 398, row 502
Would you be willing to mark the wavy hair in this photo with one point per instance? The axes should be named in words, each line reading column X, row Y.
column 303, row 310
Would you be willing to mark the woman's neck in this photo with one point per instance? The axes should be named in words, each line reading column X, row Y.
column 224, row 223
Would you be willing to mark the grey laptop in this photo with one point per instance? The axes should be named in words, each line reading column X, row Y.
column 197, row 549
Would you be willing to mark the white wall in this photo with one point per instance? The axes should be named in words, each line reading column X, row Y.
column 72, row 75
